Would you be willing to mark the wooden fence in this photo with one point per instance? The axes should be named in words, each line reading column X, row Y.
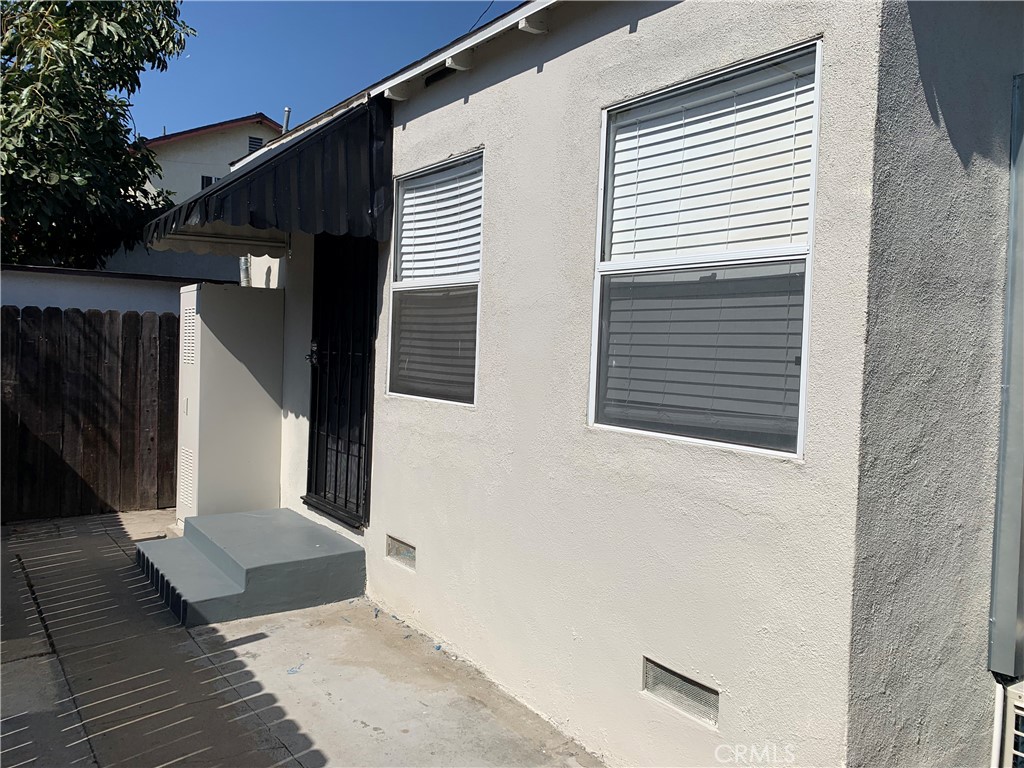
column 89, row 411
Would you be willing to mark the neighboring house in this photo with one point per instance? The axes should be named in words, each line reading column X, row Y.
column 140, row 280
column 676, row 360
column 191, row 160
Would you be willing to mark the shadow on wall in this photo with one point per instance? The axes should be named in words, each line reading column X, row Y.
column 142, row 690
column 956, row 55
column 298, row 276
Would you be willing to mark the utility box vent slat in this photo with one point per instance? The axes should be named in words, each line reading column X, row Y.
column 188, row 336
column 186, row 478
column 689, row 696
column 401, row 552
column 1013, row 728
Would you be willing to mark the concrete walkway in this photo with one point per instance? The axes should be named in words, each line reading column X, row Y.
column 96, row 672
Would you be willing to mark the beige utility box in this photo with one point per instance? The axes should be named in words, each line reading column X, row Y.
column 229, row 399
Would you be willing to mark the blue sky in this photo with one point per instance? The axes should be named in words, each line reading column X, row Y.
column 263, row 56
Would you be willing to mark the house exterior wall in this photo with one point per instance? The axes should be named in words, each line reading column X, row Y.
column 556, row 555
column 839, row 600
column 931, row 393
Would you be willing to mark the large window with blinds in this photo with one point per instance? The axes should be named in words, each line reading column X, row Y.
column 435, row 283
column 701, row 276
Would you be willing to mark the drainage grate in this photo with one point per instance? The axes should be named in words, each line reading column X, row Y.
column 681, row 692
column 403, row 553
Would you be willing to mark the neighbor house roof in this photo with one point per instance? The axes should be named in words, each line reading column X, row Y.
column 257, row 118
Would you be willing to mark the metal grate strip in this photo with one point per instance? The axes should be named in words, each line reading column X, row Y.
column 689, row 696
column 188, row 336
column 1017, row 743
column 186, row 478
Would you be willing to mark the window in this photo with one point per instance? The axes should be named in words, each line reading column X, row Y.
column 703, row 263
column 255, row 142
column 207, row 181
column 435, row 284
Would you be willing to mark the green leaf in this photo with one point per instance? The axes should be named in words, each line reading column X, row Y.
column 74, row 177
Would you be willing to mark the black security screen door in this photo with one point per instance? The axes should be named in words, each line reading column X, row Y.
column 341, row 362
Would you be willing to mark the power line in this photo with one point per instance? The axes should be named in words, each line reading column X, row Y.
column 480, row 17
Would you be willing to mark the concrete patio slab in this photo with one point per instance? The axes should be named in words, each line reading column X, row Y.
column 110, row 679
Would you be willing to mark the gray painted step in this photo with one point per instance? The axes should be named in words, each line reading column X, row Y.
column 184, row 576
column 242, row 564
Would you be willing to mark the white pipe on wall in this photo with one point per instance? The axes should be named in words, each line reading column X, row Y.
column 244, row 270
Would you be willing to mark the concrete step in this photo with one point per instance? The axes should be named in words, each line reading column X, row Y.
column 188, row 582
column 276, row 559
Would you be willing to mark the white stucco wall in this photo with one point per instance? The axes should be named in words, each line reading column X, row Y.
column 186, row 160
column 82, row 289
column 920, row 692
column 555, row 555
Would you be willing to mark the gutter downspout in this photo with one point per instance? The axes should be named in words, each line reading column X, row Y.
column 1006, row 613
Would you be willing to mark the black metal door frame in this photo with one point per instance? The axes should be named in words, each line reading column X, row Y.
column 341, row 358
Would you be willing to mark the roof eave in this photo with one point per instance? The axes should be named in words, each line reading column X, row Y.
column 517, row 18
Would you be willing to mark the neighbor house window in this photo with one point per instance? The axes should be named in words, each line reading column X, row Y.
column 702, row 270
column 435, row 283
column 255, row 142
column 207, row 181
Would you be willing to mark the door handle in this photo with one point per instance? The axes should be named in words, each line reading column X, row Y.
column 312, row 356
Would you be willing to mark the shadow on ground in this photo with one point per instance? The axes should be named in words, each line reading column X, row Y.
column 97, row 672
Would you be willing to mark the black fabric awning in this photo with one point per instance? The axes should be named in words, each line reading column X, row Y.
column 336, row 179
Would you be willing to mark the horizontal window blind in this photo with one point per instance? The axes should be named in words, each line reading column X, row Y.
column 711, row 353
column 724, row 168
column 433, row 343
column 439, row 224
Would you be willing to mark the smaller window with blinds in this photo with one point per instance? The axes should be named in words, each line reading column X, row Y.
column 435, row 283
column 702, row 266
column 255, row 142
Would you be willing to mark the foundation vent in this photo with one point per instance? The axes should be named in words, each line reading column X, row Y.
column 401, row 552
column 188, row 336
column 186, row 478
column 689, row 696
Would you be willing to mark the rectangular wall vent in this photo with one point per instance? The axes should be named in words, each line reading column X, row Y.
column 689, row 696
column 403, row 553
column 188, row 336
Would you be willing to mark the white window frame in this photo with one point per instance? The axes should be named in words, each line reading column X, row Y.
column 696, row 261
column 396, row 284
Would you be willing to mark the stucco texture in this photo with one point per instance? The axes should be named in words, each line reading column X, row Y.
column 837, row 600
column 556, row 555
column 919, row 690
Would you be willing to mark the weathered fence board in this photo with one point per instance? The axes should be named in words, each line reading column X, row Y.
column 167, row 410
column 89, row 411
column 149, row 374
column 131, row 327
